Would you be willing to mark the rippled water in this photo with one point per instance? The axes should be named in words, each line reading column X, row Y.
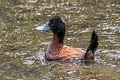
column 22, row 47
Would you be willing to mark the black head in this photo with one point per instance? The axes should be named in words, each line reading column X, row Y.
column 57, row 25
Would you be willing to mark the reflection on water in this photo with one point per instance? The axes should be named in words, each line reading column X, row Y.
column 22, row 48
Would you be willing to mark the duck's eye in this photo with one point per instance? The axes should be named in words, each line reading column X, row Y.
column 53, row 21
column 57, row 19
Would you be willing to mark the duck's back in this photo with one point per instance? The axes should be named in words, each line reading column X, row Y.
column 64, row 53
column 71, row 53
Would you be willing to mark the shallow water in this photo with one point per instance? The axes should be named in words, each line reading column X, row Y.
column 22, row 47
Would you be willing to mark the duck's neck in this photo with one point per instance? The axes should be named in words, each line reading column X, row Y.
column 56, row 40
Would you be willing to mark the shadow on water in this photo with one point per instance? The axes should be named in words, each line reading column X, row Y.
column 22, row 47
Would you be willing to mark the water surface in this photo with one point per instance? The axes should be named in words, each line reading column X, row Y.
column 22, row 47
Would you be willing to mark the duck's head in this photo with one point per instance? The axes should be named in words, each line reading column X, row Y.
column 57, row 25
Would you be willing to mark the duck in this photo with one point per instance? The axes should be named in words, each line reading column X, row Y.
column 57, row 50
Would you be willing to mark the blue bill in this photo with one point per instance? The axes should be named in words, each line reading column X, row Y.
column 44, row 27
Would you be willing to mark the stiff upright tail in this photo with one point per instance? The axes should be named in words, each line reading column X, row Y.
column 92, row 47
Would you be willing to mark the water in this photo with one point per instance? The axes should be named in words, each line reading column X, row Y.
column 22, row 47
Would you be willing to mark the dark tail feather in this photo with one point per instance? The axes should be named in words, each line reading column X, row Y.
column 92, row 47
